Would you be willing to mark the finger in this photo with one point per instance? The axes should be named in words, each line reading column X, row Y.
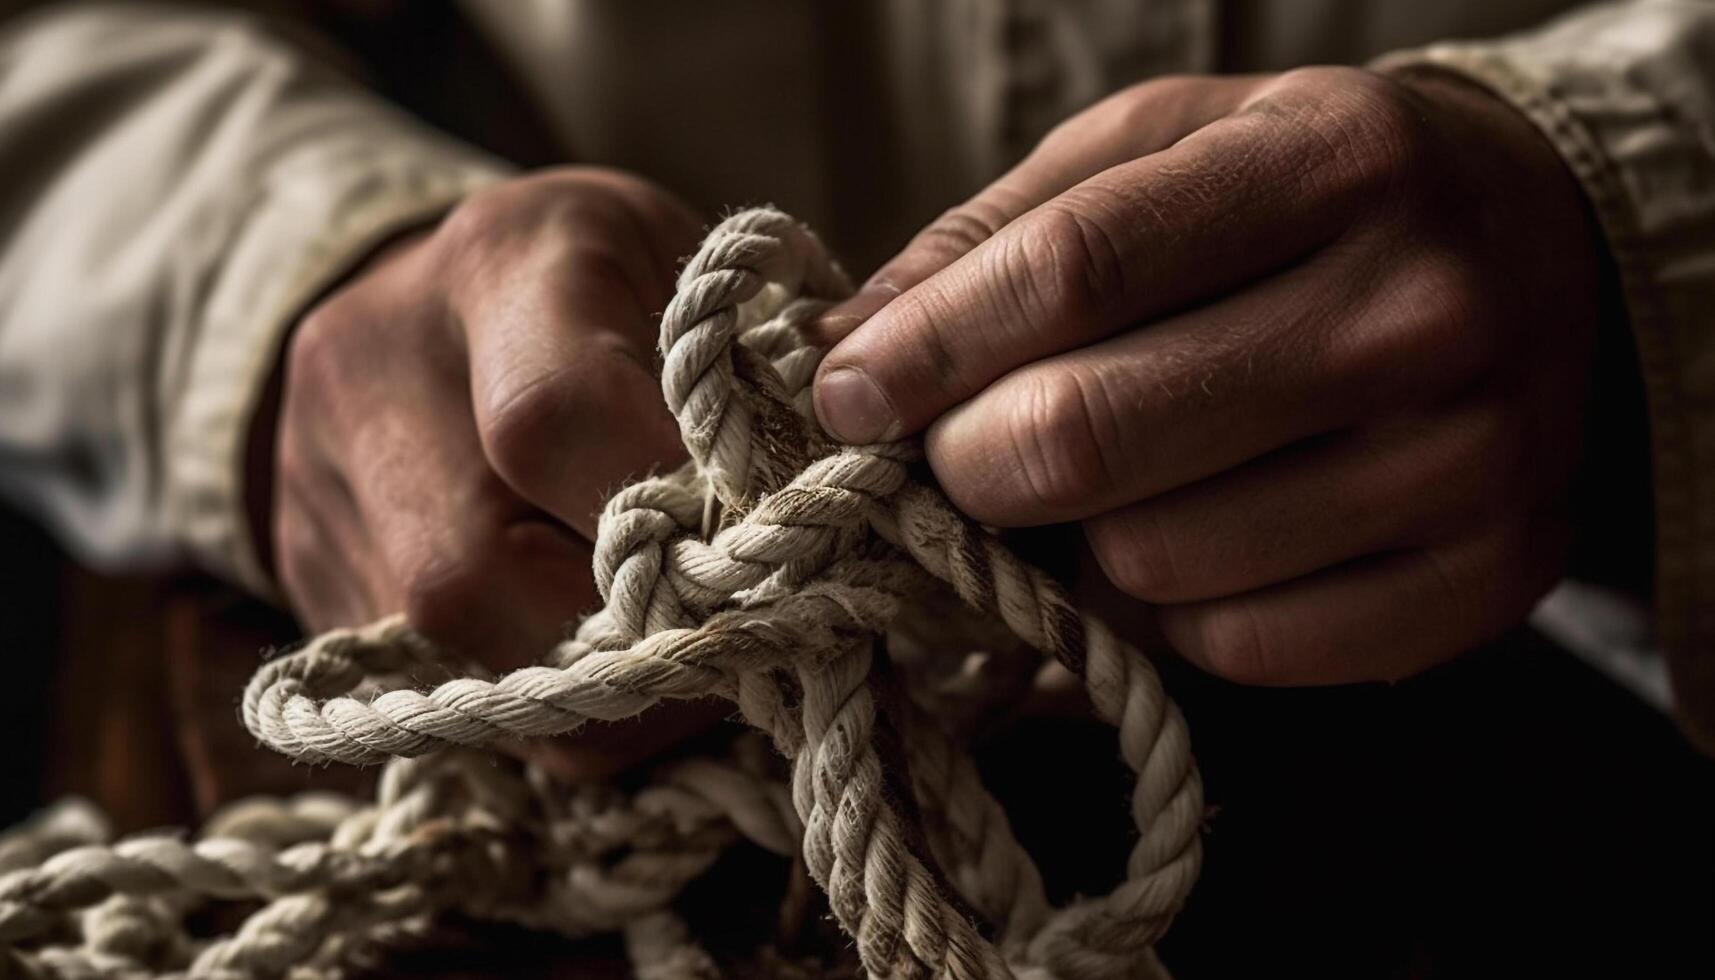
column 653, row 223
column 490, row 580
column 566, row 404
column 1238, row 198
column 483, row 574
column 486, row 576
column 483, row 577
column 474, row 567
column 515, row 585
column 1313, row 350
column 1136, row 122
column 1294, row 512
column 1378, row 619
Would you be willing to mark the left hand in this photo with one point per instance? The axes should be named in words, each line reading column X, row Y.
column 1306, row 354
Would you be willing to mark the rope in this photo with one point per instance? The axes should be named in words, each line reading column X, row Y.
column 764, row 571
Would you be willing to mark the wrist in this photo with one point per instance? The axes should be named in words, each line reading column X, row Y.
column 1511, row 161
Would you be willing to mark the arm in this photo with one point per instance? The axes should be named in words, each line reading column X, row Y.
column 179, row 186
column 215, row 251
column 1311, row 356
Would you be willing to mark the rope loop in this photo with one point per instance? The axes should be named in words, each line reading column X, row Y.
column 763, row 571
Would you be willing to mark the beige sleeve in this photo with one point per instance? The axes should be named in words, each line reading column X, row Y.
column 175, row 187
column 1626, row 91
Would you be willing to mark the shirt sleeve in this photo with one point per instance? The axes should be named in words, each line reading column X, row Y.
column 176, row 186
column 1626, row 92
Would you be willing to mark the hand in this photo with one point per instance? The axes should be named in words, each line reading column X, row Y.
column 1306, row 355
column 453, row 416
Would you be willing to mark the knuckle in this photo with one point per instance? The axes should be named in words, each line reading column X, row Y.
column 485, row 216
column 1140, row 101
column 1387, row 133
column 1445, row 300
column 959, row 230
column 1227, row 640
column 1433, row 330
column 1312, row 77
column 626, row 195
column 1140, row 108
column 1441, row 284
column 1372, row 135
column 585, row 209
column 1084, row 128
column 319, row 350
column 1137, row 556
column 602, row 259
column 1055, row 436
column 632, row 187
column 925, row 339
column 1076, row 267
column 517, row 213
column 1119, row 119
column 523, row 417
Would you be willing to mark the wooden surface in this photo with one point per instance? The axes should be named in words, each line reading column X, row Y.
column 145, row 718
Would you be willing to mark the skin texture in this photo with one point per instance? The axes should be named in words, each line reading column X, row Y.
column 1305, row 355
column 453, row 417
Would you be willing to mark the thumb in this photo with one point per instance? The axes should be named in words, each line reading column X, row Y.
column 1136, row 122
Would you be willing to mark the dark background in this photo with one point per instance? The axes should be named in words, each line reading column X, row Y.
column 1513, row 814
column 29, row 616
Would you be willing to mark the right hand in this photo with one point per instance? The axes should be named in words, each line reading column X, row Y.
column 453, row 416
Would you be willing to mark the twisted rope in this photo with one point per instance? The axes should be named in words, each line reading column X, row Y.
column 763, row 572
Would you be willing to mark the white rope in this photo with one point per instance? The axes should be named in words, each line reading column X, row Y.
column 818, row 549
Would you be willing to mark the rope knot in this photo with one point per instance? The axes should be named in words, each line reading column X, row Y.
column 782, row 606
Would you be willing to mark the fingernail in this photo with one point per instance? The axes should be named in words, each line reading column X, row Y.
column 851, row 408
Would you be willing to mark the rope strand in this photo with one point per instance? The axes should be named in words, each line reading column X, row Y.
column 816, row 549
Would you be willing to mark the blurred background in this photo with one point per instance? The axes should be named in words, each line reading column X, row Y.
column 1526, row 811
column 1517, row 813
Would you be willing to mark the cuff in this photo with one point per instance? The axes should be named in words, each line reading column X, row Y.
column 319, row 216
column 1616, row 92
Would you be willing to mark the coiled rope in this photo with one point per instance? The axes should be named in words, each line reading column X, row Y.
column 763, row 571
